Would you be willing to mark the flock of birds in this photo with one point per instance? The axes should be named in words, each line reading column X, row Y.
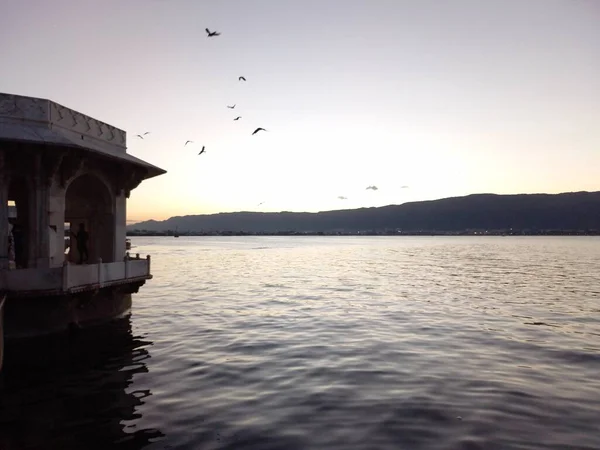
column 211, row 34
column 240, row 78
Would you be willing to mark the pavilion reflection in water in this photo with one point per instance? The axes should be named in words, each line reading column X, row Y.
column 73, row 391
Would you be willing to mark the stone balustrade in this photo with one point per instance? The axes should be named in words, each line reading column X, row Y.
column 75, row 277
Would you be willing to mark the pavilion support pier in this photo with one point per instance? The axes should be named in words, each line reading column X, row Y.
column 55, row 314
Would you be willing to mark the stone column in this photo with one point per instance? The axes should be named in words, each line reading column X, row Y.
column 120, row 225
column 43, row 257
column 56, row 218
column 39, row 247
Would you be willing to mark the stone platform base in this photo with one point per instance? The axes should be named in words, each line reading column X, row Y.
column 39, row 316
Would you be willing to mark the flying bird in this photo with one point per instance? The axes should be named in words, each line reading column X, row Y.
column 341, row 197
column 241, row 79
column 141, row 136
column 201, row 151
column 403, row 187
column 188, row 142
column 260, row 203
column 258, row 129
column 238, row 118
column 212, row 33
column 373, row 188
column 231, row 107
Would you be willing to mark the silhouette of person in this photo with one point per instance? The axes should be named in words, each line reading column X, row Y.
column 82, row 238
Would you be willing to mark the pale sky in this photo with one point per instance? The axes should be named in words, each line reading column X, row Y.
column 447, row 97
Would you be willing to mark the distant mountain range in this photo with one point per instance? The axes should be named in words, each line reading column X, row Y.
column 567, row 211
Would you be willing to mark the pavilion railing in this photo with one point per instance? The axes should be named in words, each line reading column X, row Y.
column 102, row 274
column 76, row 276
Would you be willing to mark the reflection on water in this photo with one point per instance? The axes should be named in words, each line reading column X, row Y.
column 72, row 391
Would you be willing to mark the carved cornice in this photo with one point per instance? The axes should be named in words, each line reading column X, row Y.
column 53, row 129
column 23, row 108
column 42, row 111
column 85, row 125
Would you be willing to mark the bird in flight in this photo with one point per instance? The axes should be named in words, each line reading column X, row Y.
column 188, row 142
column 212, row 33
column 241, row 79
column 258, row 129
column 201, row 151
column 231, row 107
column 260, row 203
column 341, row 197
column 373, row 188
column 238, row 118
column 403, row 187
column 141, row 136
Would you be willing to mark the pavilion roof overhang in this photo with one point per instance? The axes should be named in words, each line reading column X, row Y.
column 37, row 121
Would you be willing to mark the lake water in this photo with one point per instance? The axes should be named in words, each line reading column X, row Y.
column 329, row 343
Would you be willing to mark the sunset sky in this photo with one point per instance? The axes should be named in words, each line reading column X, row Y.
column 445, row 97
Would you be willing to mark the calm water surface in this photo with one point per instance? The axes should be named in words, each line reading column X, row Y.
column 328, row 343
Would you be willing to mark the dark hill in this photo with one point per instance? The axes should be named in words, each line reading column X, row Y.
column 568, row 211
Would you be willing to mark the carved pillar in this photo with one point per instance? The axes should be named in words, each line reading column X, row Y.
column 56, row 219
column 120, row 225
column 56, row 208
column 40, row 233
column 127, row 179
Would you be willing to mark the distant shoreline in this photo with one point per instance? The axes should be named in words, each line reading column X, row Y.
column 567, row 214
column 376, row 233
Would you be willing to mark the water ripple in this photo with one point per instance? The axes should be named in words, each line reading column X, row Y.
column 338, row 343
